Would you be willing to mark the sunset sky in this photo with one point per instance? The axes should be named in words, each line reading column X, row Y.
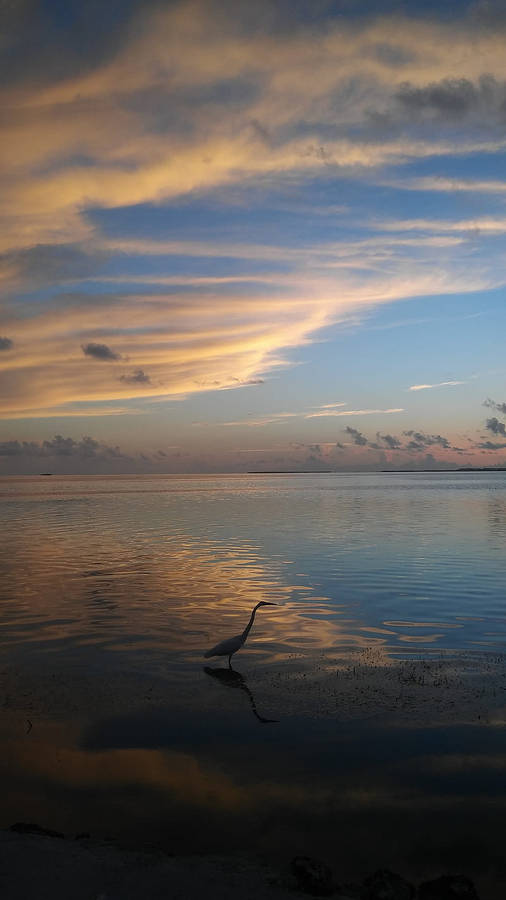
column 240, row 236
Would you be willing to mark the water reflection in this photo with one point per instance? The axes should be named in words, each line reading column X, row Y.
column 231, row 678
column 104, row 590
column 113, row 589
column 149, row 564
column 376, row 796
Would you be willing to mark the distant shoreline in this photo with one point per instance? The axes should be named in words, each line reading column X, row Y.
column 446, row 471
column 196, row 475
column 373, row 471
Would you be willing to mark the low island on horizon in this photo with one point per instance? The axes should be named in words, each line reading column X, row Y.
column 372, row 471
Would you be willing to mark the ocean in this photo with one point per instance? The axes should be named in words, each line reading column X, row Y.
column 363, row 719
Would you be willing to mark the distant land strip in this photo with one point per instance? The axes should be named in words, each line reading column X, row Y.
column 372, row 471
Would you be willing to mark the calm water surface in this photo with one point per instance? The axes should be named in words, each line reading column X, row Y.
column 111, row 590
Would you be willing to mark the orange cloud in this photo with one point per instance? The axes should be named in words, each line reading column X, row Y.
column 135, row 155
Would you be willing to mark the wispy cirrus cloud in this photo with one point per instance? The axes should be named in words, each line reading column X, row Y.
column 187, row 342
column 279, row 418
column 353, row 412
column 273, row 419
column 444, row 184
column 337, row 405
column 247, row 107
column 426, row 387
column 481, row 224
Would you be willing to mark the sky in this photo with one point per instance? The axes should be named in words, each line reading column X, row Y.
column 240, row 237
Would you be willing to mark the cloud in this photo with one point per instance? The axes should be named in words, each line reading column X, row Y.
column 15, row 448
column 420, row 441
column 86, row 448
column 243, row 103
column 273, row 419
column 353, row 412
column 500, row 407
column 326, row 252
column 185, row 105
column 444, row 184
column 187, row 341
column 480, row 225
column 278, row 418
column 336, row 405
column 49, row 264
column 382, row 442
column 5, row 343
column 357, row 437
column 495, row 426
column 388, row 440
column 100, row 351
column 489, row 445
column 425, row 387
column 454, row 98
column 137, row 377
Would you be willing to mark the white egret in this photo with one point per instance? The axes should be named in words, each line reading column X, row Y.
column 231, row 645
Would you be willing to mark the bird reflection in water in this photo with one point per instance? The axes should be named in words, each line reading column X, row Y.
column 233, row 679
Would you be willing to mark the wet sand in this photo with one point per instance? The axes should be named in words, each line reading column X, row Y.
column 448, row 690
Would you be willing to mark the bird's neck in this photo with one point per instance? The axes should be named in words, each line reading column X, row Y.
column 250, row 623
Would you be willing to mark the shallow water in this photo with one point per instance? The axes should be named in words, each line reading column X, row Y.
column 112, row 588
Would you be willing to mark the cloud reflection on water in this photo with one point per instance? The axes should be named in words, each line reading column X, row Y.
column 171, row 595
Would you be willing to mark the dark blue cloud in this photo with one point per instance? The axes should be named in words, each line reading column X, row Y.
column 357, row 437
column 495, row 426
column 100, row 351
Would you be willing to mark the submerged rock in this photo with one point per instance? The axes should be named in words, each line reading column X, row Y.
column 312, row 876
column 448, row 887
column 386, row 885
